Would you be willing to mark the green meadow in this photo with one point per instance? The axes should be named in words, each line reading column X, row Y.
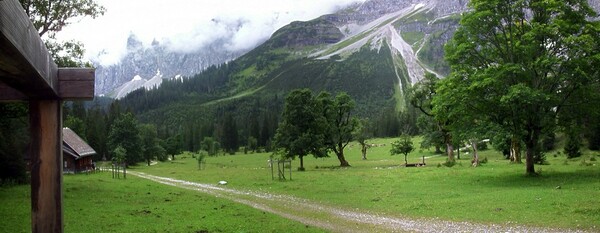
column 98, row 203
column 565, row 195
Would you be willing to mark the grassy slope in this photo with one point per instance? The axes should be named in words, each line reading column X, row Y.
column 494, row 193
column 97, row 203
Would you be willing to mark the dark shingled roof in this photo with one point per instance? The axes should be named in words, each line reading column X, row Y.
column 75, row 146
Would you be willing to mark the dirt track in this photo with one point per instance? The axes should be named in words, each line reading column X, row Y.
column 337, row 219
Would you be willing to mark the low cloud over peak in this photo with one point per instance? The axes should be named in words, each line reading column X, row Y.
column 189, row 25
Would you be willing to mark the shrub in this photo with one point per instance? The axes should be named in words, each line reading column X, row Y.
column 593, row 158
column 449, row 163
column 484, row 160
column 540, row 158
column 572, row 148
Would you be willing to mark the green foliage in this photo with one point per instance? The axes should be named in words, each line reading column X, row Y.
column 49, row 18
column 120, row 155
column 126, row 134
column 592, row 132
column 549, row 142
column 448, row 163
column 151, row 144
column 252, row 144
column 362, row 133
column 211, row 146
column 481, row 145
column 14, row 136
column 230, row 135
column 340, row 124
column 403, row 146
column 76, row 124
column 302, row 128
column 573, row 145
column 521, row 79
column 200, row 157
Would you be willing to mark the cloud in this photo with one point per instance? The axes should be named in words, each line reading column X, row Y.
column 188, row 25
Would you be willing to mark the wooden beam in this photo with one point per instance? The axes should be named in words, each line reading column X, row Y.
column 25, row 63
column 46, row 165
column 9, row 94
column 76, row 83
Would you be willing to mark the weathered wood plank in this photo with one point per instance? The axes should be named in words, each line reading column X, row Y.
column 46, row 165
column 25, row 63
column 76, row 83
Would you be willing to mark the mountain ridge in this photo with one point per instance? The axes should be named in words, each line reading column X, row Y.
column 387, row 46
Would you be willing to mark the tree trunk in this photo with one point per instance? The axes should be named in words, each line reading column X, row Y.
column 450, row 152
column 339, row 152
column 449, row 147
column 515, row 150
column 475, row 161
column 405, row 159
column 172, row 157
column 148, row 162
column 301, row 168
column 531, row 144
column 341, row 158
column 363, row 149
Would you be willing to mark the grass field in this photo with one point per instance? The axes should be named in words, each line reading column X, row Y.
column 98, row 203
column 566, row 195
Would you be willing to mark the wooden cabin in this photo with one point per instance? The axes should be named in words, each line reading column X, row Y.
column 77, row 154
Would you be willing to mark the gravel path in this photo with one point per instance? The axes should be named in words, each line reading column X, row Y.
column 337, row 219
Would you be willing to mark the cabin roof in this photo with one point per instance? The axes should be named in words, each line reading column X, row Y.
column 74, row 145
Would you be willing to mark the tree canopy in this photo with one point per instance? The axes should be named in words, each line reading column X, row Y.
column 517, row 64
column 301, row 131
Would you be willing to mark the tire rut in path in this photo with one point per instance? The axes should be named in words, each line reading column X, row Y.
column 337, row 219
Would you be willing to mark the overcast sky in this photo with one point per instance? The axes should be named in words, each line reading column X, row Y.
column 187, row 25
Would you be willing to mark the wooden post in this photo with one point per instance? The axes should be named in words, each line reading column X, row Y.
column 271, row 165
column 46, row 165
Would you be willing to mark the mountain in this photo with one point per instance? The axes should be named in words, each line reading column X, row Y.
column 136, row 83
column 374, row 51
column 143, row 61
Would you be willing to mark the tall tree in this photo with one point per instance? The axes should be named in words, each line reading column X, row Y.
column 96, row 133
column 301, row 131
column 404, row 146
column 340, row 124
column 518, row 63
column 362, row 134
column 125, row 133
column 151, row 144
column 230, row 135
column 435, row 128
